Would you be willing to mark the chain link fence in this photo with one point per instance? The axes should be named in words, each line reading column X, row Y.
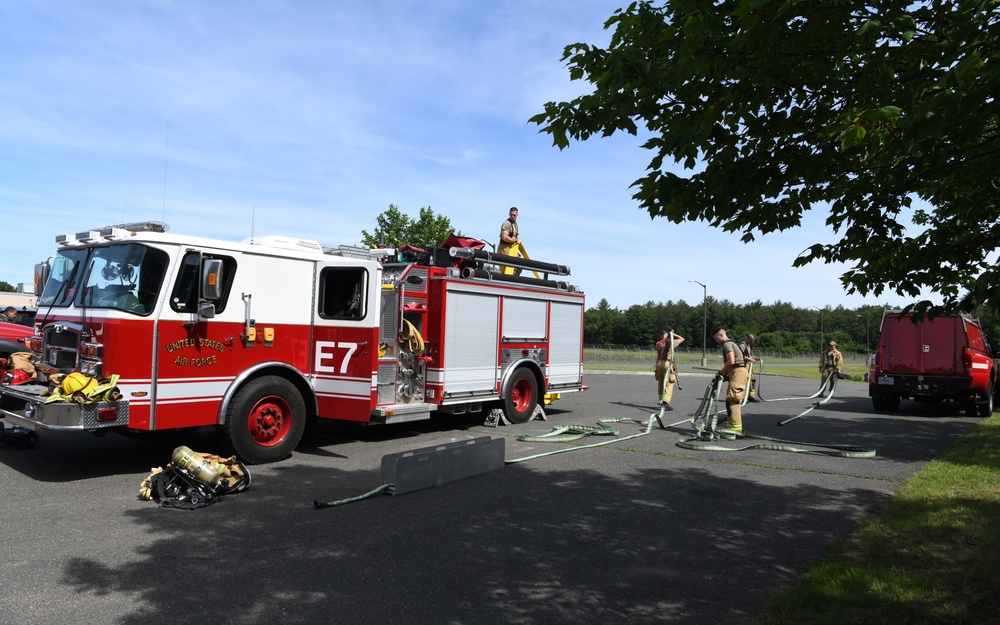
column 646, row 354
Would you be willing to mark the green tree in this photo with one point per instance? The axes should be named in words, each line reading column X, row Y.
column 773, row 109
column 7, row 287
column 990, row 317
column 599, row 323
column 394, row 228
column 640, row 326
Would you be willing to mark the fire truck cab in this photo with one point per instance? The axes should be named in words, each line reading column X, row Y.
column 263, row 337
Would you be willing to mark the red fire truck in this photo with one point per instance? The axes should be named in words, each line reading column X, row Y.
column 261, row 338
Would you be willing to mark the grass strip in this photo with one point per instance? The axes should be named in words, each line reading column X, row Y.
column 930, row 555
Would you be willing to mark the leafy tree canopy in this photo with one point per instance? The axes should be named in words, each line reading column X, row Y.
column 772, row 109
column 394, row 228
column 7, row 287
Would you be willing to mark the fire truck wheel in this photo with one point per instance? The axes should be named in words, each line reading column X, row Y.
column 265, row 420
column 523, row 397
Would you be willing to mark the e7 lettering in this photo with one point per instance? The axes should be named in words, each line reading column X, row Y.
column 327, row 353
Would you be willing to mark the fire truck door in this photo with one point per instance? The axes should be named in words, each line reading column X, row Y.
column 197, row 351
column 345, row 339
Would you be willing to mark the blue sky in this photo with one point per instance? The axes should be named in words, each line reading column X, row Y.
column 309, row 118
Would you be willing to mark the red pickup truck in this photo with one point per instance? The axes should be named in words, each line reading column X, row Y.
column 944, row 358
column 11, row 333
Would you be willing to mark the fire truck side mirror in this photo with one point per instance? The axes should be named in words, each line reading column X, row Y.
column 211, row 279
column 206, row 310
column 42, row 271
column 211, row 287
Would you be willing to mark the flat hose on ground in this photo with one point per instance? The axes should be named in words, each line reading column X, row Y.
column 705, row 421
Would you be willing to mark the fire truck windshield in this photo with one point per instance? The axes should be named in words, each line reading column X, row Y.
column 125, row 277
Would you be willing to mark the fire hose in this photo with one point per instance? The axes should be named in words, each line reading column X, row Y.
column 705, row 421
column 827, row 386
column 560, row 434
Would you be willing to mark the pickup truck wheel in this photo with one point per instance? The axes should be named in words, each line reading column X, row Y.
column 985, row 409
column 264, row 421
column 878, row 403
column 892, row 403
column 523, row 397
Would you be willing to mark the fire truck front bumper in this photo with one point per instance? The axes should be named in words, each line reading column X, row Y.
column 25, row 406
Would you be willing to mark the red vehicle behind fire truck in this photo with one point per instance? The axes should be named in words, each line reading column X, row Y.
column 12, row 333
column 930, row 360
column 260, row 337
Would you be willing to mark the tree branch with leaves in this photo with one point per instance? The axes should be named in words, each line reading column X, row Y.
column 884, row 114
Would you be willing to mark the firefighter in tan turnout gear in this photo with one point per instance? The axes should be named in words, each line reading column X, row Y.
column 733, row 368
column 832, row 360
column 665, row 379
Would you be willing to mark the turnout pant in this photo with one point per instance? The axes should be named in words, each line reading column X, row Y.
column 734, row 395
column 664, row 381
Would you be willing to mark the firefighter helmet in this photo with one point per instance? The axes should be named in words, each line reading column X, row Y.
column 77, row 382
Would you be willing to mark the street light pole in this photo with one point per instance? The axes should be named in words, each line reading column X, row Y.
column 704, row 324
column 868, row 334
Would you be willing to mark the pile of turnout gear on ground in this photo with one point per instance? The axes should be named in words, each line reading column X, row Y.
column 194, row 480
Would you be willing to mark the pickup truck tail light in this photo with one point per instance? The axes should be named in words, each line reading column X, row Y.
column 973, row 360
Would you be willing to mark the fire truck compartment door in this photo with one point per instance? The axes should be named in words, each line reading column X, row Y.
column 566, row 343
column 524, row 319
column 471, row 343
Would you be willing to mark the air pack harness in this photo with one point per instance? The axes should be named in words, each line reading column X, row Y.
column 194, row 480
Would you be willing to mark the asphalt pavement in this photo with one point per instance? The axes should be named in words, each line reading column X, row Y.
column 637, row 531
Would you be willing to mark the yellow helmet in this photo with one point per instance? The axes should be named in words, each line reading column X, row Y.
column 75, row 382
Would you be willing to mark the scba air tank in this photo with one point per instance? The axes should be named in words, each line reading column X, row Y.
column 199, row 468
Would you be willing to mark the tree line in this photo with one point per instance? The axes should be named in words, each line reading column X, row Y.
column 777, row 327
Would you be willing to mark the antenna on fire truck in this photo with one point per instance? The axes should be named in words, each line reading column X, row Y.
column 166, row 150
column 253, row 217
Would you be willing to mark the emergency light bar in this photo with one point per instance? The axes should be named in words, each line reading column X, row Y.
column 144, row 226
column 112, row 233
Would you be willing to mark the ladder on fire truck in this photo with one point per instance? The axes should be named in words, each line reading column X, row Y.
column 517, row 250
